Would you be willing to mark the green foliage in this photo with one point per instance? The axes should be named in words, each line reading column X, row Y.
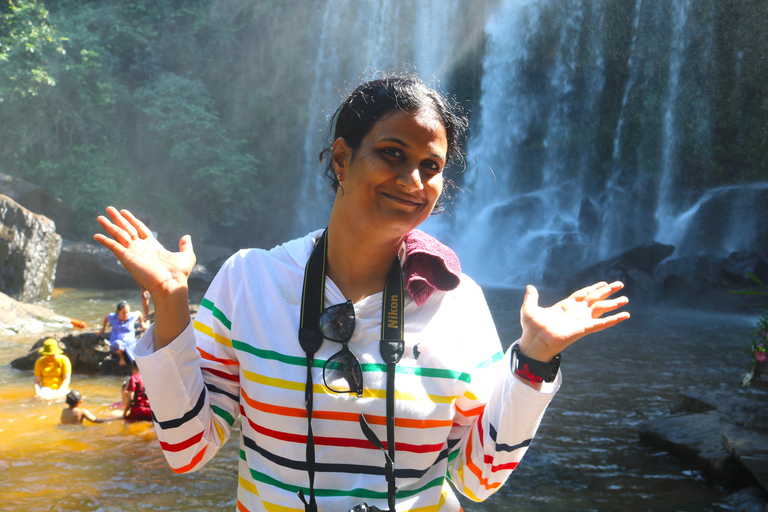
column 181, row 117
column 758, row 345
column 164, row 105
column 27, row 42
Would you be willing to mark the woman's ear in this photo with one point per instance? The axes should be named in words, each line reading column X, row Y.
column 340, row 154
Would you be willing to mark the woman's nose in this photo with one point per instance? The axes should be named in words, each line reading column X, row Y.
column 410, row 178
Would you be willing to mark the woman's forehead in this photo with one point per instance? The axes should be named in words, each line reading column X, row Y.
column 422, row 126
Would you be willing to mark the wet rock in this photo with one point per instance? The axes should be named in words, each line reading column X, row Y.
column 17, row 317
column 722, row 431
column 751, row 499
column 87, row 350
column 635, row 268
column 697, row 438
column 29, row 249
column 38, row 200
column 91, row 265
column 730, row 216
column 708, row 280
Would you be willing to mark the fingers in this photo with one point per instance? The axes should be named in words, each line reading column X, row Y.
column 141, row 229
column 123, row 223
column 123, row 226
column 605, row 306
column 597, row 292
column 584, row 292
column 119, row 234
column 604, row 323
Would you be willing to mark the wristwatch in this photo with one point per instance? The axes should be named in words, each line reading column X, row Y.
column 534, row 370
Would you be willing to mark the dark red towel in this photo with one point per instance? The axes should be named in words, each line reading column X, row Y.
column 429, row 266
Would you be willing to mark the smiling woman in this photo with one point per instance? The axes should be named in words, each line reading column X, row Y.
column 421, row 392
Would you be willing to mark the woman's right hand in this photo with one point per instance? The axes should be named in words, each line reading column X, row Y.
column 163, row 273
column 158, row 270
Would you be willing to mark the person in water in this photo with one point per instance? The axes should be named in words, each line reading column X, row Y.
column 73, row 414
column 135, row 398
column 122, row 338
column 364, row 366
column 53, row 371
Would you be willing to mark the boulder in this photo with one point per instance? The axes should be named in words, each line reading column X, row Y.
column 87, row 350
column 91, row 265
column 29, row 249
column 696, row 438
column 17, row 317
column 38, row 200
column 635, row 268
column 708, row 280
column 722, row 430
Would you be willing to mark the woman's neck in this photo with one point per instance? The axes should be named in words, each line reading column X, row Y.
column 359, row 260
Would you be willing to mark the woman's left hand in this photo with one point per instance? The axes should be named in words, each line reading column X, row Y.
column 548, row 331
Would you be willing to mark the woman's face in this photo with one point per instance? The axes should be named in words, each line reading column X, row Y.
column 393, row 180
column 122, row 314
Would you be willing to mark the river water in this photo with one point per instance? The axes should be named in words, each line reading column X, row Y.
column 587, row 455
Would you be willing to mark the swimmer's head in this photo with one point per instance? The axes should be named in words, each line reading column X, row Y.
column 73, row 398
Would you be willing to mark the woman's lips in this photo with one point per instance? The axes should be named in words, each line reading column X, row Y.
column 404, row 200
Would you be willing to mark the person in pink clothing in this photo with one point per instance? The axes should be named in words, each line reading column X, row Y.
column 135, row 398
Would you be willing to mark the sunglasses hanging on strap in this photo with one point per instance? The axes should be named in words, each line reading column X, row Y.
column 342, row 372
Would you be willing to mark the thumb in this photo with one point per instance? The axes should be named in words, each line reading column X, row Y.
column 531, row 299
column 185, row 244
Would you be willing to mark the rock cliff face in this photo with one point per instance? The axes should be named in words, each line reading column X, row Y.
column 29, row 249
column 38, row 200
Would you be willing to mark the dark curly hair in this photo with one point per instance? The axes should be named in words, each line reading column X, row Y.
column 374, row 100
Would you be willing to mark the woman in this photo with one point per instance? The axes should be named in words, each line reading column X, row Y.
column 53, row 370
column 122, row 338
column 381, row 382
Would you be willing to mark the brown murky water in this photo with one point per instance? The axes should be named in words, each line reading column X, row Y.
column 587, row 455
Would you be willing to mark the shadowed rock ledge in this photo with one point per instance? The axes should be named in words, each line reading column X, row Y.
column 725, row 433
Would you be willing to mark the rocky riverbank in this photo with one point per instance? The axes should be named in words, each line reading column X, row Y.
column 87, row 350
column 17, row 317
column 723, row 431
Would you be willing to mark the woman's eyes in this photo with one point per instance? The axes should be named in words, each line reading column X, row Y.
column 397, row 153
column 393, row 152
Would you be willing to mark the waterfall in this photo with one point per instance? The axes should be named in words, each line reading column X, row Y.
column 524, row 205
column 587, row 114
column 358, row 39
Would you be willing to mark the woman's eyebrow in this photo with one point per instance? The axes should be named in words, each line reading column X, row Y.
column 403, row 143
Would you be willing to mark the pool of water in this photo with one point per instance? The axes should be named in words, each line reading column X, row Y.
column 587, row 455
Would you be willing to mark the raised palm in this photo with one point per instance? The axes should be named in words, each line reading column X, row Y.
column 548, row 331
column 153, row 267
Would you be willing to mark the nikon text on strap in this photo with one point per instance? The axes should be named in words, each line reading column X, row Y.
column 391, row 347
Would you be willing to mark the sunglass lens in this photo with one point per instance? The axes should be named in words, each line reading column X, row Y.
column 342, row 373
column 337, row 322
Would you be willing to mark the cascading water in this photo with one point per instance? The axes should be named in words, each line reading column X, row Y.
column 585, row 113
column 524, row 205
column 359, row 38
column 536, row 206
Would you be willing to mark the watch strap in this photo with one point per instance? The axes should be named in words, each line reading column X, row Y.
column 533, row 370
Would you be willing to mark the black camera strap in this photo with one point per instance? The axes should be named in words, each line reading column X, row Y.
column 391, row 346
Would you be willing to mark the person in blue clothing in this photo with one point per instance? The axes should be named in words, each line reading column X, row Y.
column 122, row 339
